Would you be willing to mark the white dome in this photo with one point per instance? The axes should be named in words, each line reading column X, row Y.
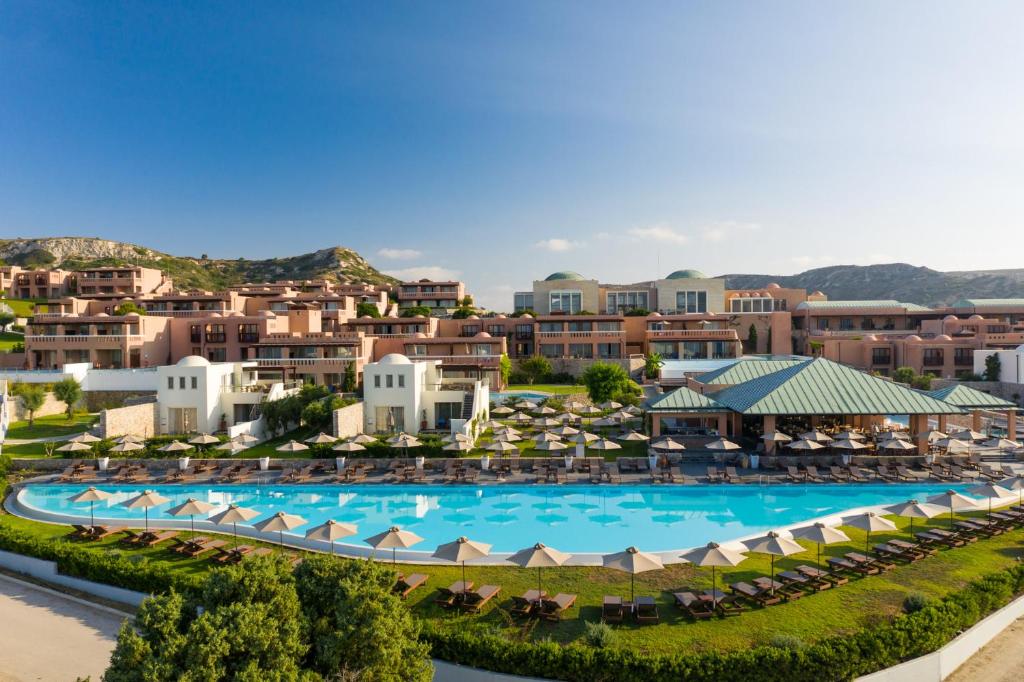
column 943, row 337
column 482, row 335
column 913, row 337
column 193, row 361
column 950, row 318
column 395, row 359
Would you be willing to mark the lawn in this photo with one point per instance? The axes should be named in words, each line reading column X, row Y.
column 860, row 603
column 52, row 426
column 8, row 339
column 23, row 307
column 556, row 389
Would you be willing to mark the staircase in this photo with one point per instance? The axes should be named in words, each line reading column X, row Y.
column 467, row 406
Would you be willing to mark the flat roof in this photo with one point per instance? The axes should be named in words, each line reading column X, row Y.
column 888, row 304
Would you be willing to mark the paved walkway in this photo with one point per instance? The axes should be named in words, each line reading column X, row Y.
column 1002, row 660
column 49, row 636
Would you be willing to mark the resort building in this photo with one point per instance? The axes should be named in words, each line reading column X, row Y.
column 441, row 297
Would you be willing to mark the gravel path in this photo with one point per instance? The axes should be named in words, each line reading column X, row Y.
column 1001, row 661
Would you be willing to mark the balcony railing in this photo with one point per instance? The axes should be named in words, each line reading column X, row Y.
column 580, row 335
column 301, row 362
column 80, row 338
column 932, row 362
column 462, row 359
column 216, row 338
column 187, row 313
column 705, row 334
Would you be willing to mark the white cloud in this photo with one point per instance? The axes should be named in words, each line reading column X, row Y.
column 399, row 254
column 434, row 272
column 720, row 231
column 556, row 244
column 658, row 233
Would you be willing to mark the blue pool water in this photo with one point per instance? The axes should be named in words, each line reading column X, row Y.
column 577, row 518
column 500, row 398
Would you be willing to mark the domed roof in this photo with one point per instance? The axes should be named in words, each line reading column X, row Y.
column 564, row 274
column 943, row 337
column 102, row 315
column 482, row 335
column 473, row 317
column 655, row 314
column 950, row 318
column 419, row 335
column 687, row 274
column 193, row 361
column 395, row 359
column 499, row 316
column 817, row 293
column 267, row 313
column 215, row 315
column 419, row 317
column 975, row 317
column 871, row 337
column 526, row 316
column 773, row 285
column 913, row 337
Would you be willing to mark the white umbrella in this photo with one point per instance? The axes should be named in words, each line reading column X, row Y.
column 722, row 444
column 92, row 496
column 632, row 436
column 331, row 530
column 493, row 424
column 458, row 446
column 462, row 550
column 632, row 561
column 610, row 405
column 953, row 500
column 621, row 415
column 1001, row 444
column 968, row 435
column 539, row 556
column 774, row 545
column 992, row 491
column 931, row 435
column 604, row 421
column 204, row 439
column 145, row 500
column 350, row 446
column 506, row 437
column 190, row 508
column 501, row 446
column 588, row 410
column 912, row 509
column 405, row 441
column 845, row 444
column 850, row 435
column 453, row 437
column 604, row 444
column 503, row 410
column 545, row 436
column 126, row 438
column 897, row 444
column 776, row 437
column 279, row 522
column 584, row 437
column 321, row 439
column 246, row 439
column 545, row 422
column 550, row 445
column 633, row 410
column 291, row 446
column 898, row 435
column 1015, row 483
column 525, row 405
column 362, row 439
column 231, row 447
column 545, row 410
column 128, row 446
column 234, row 515
column 74, row 446
column 85, row 437
column 667, row 444
column 816, row 436
column 520, row 417
column 393, row 538
column 563, row 431
column 176, row 446
column 805, row 445
column 951, row 443
column 713, row 555
column 820, row 534
column 574, row 405
column 869, row 521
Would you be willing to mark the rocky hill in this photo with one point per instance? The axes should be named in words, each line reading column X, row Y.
column 900, row 281
column 337, row 263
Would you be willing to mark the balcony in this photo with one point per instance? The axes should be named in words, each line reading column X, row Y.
column 244, row 337
column 302, row 362
column 963, row 360
column 219, row 337
column 697, row 334
column 932, row 362
column 580, row 335
column 81, row 339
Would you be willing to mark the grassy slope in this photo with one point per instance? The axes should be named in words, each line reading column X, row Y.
column 557, row 389
column 8, row 339
column 22, row 307
column 835, row 611
column 51, row 426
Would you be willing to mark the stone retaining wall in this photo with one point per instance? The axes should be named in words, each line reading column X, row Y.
column 348, row 421
column 138, row 420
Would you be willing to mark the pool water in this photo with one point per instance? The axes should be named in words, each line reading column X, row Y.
column 577, row 518
column 500, row 398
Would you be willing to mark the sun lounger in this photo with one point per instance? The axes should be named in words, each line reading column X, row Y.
column 476, row 600
column 553, row 608
column 838, row 475
column 755, row 594
column 979, row 527
column 104, row 532
column 959, row 474
column 715, row 475
column 950, row 535
column 940, row 474
column 812, row 474
column 867, row 561
column 692, row 605
column 802, row 582
column 883, row 472
column 1007, row 520
column 194, row 550
column 793, row 475
column 845, row 564
column 80, row 532
column 154, row 539
column 787, row 590
column 611, row 609
column 885, row 551
column 234, row 555
column 448, row 596
column 931, row 539
column 733, row 476
column 646, row 610
column 987, row 472
column 522, row 606
column 912, row 547
column 405, row 585
column 131, row 537
column 825, row 577
column 857, row 475
column 905, row 474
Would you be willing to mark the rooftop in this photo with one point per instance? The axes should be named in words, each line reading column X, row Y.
column 847, row 305
column 687, row 274
column 564, row 275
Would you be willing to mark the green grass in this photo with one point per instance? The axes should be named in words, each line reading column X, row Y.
column 557, row 389
column 858, row 604
column 51, row 426
column 269, row 448
column 23, row 307
column 8, row 339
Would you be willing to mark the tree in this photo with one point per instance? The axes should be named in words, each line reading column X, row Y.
column 32, row 398
column 637, row 312
column 993, row 367
column 505, row 368
column 69, row 392
column 6, row 318
column 752, row 338
column 316, row 414
column 367, row 310
column 357, row 626
column 922, row 382
column 605, row 381
column 652, row 365
column 462, row 313
column 903, row 375
column 129, row 307
column 348, row 381
column 526, row 311
column 536, row 367
column 415, row 310
column 467, row 301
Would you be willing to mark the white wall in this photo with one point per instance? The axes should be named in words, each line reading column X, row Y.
column 205, row 397
column 1011, row 364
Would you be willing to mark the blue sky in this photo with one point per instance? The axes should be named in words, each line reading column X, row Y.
column 498, row 142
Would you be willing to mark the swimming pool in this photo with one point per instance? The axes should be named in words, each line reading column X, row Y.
column 575, row 519
column 532, row 396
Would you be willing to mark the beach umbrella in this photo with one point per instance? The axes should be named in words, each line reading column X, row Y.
column 405, row 441
column 362, row 439
column 1015, row 483
column 458, row 446
column 74, row 446
column 176, row 446
column 931, row 435
column 144, row 501
column 713, row 555
column 453, row 437
column 545, row 410
column 321, row 439
column 776, row 437
column 667, row 444
column 246, row 439
column 509, row 429
column 545, row 436
column 501, row 446
column 234, row 515
column 632, row 436
column 92, row 496
column 953, row 500
column 950, row 443
column 231, row 447
column 525, row 405
column 992, row 491
column 604, row 421
column 968, row 435
column 816, row 436
column 128, row 446
column 190, row 508
column 563, row 431
column 912, row 509
column 633, row 410
column 774, row 545
column 539, row 556
column 393, row 538
column 845, row 444
column 545, row 422
column 462, row 550
column 395, row 439
column 897, row 445
column 589, row 410
column 722, row 444
column 574, row 405
column 565, row 417
column 493, row 424
column 604, row 444
column 898, row 435
column 807, row 445
column 331, row 530
column 850, row 435
column 610, row 405
column 506, row 437
column 869, row 521
column 1001, row 444
column 503, row 410
column 584, row 437
column 350, row 446
column 279, row 522
column 632, row 561
column 550, row 445
column 520, row 417
column 85, row 437
column 204, row 439
column 129, row 438
column 621, row 415
column 291, row 446
column 820, row 534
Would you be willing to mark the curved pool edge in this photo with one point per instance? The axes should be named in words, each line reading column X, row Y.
column 15, row 505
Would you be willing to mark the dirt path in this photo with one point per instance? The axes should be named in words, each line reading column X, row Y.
column 1001, row 661
column 47, row 636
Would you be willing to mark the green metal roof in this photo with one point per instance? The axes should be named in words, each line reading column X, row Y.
column 565, row 274
column 687, row 274
column 685, row 399
column 846, row 305
column 821, row 386
column 988, row 302
column 745, row 370
column 967, row 397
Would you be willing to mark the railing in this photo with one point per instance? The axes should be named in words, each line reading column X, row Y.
column 79, row 338
column 188, row 313
column 405, row 335
column 216, row 338
column 580, row 335
column 932, row 362
column 706, row 334
column 301, row 362
column 483, row 359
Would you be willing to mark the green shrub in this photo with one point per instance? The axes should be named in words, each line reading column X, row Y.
column 598, row 635
column 914, row 602
column 783, row 641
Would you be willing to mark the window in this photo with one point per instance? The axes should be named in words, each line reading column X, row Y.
column 609, row 326
column 170, row 383
column 401, row 381
column 217, row 355
column 495, row 330
column 523, row 300
column 669, row 350
column 881, row 356
column 933, row 357
column 581, row 350
column 565, row 301
column 692, row 301
column 195, row 383
column 215, row 333
column 481, row 349
column 551, row 350
column 721, row 349
column 694, row 350
column 581, row 326
column 248, row 333
column 195, row 334
column 524, row 331
column 389, row 380
column 181, row 383
column 376, row 381
column 469, row 330
column 196, row 350
column 616, row 301
column 609, row 350
column 551, row 326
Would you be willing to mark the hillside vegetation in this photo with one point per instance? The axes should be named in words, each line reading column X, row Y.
column 337, row 264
